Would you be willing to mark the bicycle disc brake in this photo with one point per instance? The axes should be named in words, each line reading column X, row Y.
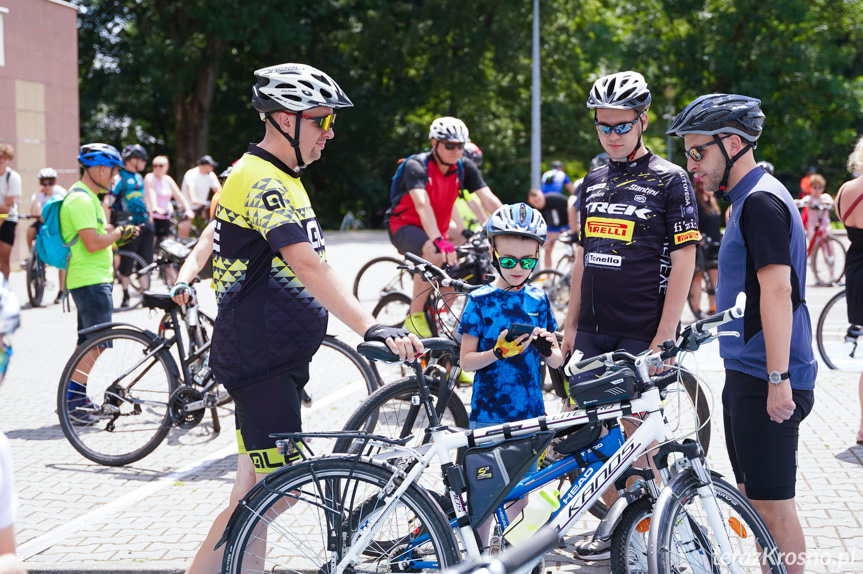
column 177, row 407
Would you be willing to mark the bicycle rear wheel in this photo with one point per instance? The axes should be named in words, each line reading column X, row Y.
column 378, row 277
column 35, row 278
column 138, row 283
column 306, row 517
column 681, row 538
column 837, row 338
column 113, row 398
column 828, row 261
column 557, row 286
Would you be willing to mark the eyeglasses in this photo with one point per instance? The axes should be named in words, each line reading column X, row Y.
column 160, row 165
column 46, row 182
column 694, row 153
column 324, row 122
column 619, row 129
column 452, row 145
column 527, row 263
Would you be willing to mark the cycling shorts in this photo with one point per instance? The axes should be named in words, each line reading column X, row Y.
column 7, row 232
column 763, row 453
column 409, row 239
column 142, row 245
column 270, row 406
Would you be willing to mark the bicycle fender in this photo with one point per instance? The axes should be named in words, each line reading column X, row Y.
column 615, row 513
column 109, row 326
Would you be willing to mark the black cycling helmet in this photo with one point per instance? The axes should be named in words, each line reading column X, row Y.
column 715, row 114
column 599, row 161
column 720, row 114
column 766, row 166
column 133, row 151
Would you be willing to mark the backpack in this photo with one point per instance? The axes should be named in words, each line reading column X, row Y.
column 50, row 246
column 396, row 191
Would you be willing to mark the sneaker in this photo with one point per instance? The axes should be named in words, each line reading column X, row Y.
column 59, row 298
column 417, row 324
column 591, row 549
column 125, row 302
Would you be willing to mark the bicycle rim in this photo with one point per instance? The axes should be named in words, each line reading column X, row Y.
column 137, row 283
column 687, row 409
column 307, row 517
column 828, row 261
column 99, row 403
column 379, row 277
column 838, row 348
column 684, row 541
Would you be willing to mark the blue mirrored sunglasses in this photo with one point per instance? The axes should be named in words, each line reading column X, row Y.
column 619, row 129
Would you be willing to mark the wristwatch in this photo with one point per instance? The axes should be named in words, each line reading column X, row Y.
column 776, row 377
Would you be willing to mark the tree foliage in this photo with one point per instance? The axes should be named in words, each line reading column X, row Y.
column 177, row 76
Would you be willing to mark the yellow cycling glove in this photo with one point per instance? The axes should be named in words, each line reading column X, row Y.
column 126, row 234
column 504, row 349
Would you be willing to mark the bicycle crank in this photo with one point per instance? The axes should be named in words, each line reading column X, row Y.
column 186, row 406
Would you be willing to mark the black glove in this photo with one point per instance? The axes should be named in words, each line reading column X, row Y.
column 381, row 333
column 466, row 233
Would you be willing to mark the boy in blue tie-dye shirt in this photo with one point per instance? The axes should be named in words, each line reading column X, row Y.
column 507, row 383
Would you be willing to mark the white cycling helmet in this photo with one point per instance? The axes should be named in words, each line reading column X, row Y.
column 47, row 173
column 517, row 219
column 294, row 88
column 620, row 91
column 449, row 129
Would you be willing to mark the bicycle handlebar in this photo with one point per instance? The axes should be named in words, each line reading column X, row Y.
column 515, row 558
column 690, row 339
column 427, row 269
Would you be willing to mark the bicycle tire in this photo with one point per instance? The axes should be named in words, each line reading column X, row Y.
column 312, row 512
column 830, row 336
column 146, row 426
column 137, row 283
column 392, row 309
column 629, row 542
column 35, row 278
column 698, row 399
column 828, row 268
column 678, row 535
column 385, row 278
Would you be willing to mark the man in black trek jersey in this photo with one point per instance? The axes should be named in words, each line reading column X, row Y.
column 636, row 252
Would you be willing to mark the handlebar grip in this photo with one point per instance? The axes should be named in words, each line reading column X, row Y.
column 578, row 365
column 724, row 317
column 415, row 259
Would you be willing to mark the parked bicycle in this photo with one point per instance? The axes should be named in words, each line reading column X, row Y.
column 825, row 252
column 122, row 390
column 169, row 259
column 836, row 338
column 370, row 512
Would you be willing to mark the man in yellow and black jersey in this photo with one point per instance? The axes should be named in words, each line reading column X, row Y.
column 274, row 286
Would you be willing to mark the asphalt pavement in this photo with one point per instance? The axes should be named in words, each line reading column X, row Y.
column 149, row 517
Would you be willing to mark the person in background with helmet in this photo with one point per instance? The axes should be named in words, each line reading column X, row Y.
column 47, row 190
column 507, row 383
column 10, row 191
column 274, row 287
column 770, row 369
column 636, row 253
column 128, row 203
column 9, row 322
column 90, row 274
column 555, row 180
column 421, row 214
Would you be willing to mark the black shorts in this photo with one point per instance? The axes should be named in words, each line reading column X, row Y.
column 854, row 293
column 162, row 228
column 409, row 239
column 37, row 225
column 763, row 453
column 267, row 407
column 7, row 232
column 142, row 245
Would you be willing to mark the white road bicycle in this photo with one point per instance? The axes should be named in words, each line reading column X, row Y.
column 350, row 513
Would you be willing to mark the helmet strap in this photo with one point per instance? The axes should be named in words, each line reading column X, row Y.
column 631, row 156
column 720, row 193
column 96, row 183
column 496, row 264
column 294, row 141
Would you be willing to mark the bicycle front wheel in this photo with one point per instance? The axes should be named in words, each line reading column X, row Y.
column 682, row 539
column 687, row 409
column 113, row 397
column 836, row 338
column 309, row 515
column 828, row 261
column 35, row 278
column 127, row 269
column 380, row 276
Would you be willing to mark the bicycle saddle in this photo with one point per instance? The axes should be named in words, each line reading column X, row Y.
column 158, row 301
